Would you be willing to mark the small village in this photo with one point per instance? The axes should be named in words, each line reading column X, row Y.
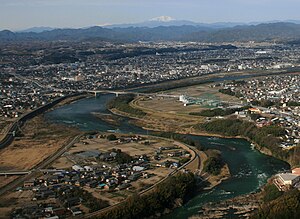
column 86, row 179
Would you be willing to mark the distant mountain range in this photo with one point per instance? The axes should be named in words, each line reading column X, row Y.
column 167, row 21
column 164, row 29
column 37, row 29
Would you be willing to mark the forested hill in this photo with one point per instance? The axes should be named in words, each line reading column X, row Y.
column 281, row 31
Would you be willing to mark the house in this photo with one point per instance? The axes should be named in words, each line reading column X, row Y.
column 134, row 176
column 296, row 171
column 28, row 184
column 72, row 202
column 101, row 185
column 75, row 211
column 255, row 110
column 59, row 211
column 92, row 184
column 138, row 168
column 288, row 179
column 175, row 165
column 123, row 186
column 80, row 182
column 53, row 217
column 77, row 168
column 88, row 168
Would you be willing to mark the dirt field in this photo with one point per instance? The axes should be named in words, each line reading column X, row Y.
column 40, row 139
column 5, row 180
column 103, row 145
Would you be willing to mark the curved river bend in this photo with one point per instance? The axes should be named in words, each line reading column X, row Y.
column 249, row 168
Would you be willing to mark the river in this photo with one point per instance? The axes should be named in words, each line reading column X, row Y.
column 249, row 168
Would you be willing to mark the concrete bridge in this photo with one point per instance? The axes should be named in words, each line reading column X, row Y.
column 26, row 172
column 14, row 173
column 117, row 93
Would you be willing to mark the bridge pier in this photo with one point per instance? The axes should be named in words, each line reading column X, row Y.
column 117, row 94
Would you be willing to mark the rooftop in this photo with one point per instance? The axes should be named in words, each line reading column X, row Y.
column 288, row 176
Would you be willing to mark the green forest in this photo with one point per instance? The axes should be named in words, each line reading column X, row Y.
column 165, row 195
column 267, row 136
column 281, row 206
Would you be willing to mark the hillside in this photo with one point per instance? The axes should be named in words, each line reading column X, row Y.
column 262, row 32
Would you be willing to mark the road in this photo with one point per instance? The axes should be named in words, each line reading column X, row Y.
column 19, row 181
column 194, row 157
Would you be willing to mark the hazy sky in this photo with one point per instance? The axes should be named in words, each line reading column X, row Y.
column 20, row 14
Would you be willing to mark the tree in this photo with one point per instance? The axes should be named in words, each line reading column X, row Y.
column 111, row 137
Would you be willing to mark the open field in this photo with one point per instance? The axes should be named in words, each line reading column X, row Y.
column 170, row 115
column 39, row 140
column 174, row 106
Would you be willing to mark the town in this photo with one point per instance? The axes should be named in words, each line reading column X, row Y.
column 31, row 76
column 99, row 171
column 276, row 101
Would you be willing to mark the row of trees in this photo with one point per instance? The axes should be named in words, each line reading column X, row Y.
column 121, row 103
column 218, row 112
column 165, row 195
column 182, row 138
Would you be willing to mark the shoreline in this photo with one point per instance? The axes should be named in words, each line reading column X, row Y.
column 257, row 147
column 121, row 114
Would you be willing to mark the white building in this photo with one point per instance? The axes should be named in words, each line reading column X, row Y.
column 288, row 179
column 77, row 168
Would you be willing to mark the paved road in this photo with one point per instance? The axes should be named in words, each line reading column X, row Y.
column 18, row 182
column 194, row 156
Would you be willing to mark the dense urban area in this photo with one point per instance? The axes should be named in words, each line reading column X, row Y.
column 99, row 170
column 277, row 101
column 32, row 75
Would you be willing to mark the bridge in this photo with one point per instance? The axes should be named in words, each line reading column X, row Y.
column 14, row 173
column 117, row 93
column 26, row 172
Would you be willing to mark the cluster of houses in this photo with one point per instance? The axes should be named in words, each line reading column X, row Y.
column 56, row 184
column 96, row 171
column 49, row 211
column 279, row 97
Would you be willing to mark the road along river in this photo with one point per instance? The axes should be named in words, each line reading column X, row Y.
column 249, row 168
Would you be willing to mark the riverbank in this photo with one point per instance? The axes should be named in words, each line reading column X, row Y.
column 241, row 207
column 143, row 123
column 249, row 169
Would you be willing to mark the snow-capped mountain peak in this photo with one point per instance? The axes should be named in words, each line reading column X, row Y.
column 163, row 19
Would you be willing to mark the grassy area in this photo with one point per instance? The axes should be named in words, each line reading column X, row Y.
column 121, row 103
column 39, row 139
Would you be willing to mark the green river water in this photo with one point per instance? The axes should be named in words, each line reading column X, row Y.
column 249, row 168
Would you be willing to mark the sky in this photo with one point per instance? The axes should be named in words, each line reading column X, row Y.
column 22, row 14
